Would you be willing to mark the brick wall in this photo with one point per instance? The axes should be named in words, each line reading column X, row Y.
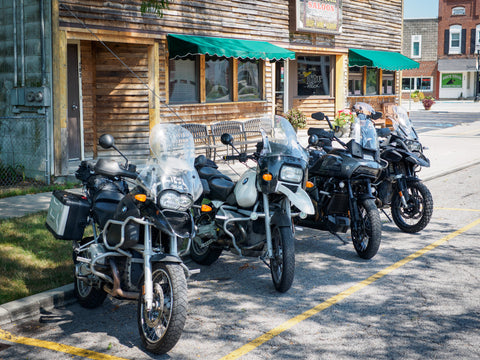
column 427, row 28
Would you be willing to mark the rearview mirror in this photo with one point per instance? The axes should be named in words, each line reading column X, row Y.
column 106, row 141
column 318, row 116
column 376, row 115
column 226, row 139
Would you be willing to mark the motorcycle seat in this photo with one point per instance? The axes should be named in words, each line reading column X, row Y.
column 209, row 173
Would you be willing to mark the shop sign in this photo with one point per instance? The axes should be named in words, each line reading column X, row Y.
column 322, row 16
column 450, row 81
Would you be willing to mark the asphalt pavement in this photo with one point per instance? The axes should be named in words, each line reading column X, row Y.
column 449, row 149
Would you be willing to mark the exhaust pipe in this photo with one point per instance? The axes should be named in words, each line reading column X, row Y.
column 117, row 291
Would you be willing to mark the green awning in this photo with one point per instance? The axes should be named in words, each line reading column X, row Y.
column 385, row 60
column 183, row 45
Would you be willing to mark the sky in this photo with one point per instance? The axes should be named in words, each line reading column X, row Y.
column 420, row 9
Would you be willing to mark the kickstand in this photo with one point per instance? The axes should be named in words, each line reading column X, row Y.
column 388, row 217
column 340, row 238
column 265, row 261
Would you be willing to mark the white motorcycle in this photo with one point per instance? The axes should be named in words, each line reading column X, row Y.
column 253, row 217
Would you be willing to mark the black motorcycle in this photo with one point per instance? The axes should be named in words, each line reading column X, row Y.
column 133, row 253
column 340, row 182
column 253, row 217
column 399, row 186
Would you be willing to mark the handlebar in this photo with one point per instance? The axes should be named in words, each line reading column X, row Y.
column 242, row 157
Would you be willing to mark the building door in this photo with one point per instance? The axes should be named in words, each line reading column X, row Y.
column 73, row 111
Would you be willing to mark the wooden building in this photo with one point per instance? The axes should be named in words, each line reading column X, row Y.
column 118, row 70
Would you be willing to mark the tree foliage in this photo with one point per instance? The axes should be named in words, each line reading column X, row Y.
column 154, row 6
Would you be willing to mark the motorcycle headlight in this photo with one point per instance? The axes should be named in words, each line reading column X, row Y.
column 174, row 201
column 291, row 174
column 414, row 145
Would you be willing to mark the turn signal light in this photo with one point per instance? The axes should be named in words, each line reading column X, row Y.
column 141, row 197
column 309, row 185
column 267, row 177
column 206, row 208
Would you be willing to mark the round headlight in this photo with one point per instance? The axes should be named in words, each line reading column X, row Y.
column 291, row 174
column 174, row 201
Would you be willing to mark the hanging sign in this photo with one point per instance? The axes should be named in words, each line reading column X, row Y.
column 322, row 16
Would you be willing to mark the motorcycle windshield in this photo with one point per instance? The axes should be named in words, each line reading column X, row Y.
column 172, row 164
column 364, row 132
column 282, row 140
column 402, row 124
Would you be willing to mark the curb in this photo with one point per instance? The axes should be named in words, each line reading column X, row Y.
column 36, row 304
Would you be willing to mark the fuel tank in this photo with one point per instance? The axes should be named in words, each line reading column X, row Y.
column 341, row 164
column 246, row 190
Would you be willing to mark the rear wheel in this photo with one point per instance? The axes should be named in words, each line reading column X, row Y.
column 418, row 212
column 282, row 265
column 366, row 238
column 161, row 327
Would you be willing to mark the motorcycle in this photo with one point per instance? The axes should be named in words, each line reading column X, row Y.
column 134, row 251
column 253, row 217
column 340, row 182
column 399, row 187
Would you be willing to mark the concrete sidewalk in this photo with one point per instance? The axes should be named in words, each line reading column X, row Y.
column 449, row 150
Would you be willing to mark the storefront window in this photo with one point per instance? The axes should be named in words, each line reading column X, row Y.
column 218, row 79
column 249, row 80
column 417, row 83
column 313, row 73
column 372, row 81
column 355, row 81
column 388, row 82
column 183, row 83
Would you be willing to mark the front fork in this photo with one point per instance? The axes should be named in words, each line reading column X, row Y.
column 268, row 229
column 402, row 191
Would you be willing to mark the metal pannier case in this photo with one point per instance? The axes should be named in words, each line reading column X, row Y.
column 67, row 215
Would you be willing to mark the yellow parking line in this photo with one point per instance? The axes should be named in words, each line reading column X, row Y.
column 456, row 209
column 5, row 335
column 335, row 299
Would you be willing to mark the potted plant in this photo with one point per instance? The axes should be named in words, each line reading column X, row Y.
column 296, row 118
column 428, row 102
column 417, row 96
column 342, row 122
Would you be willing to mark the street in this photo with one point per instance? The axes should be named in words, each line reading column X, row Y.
column 417, row 298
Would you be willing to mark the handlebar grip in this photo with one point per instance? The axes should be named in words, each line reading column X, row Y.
column 230, row 157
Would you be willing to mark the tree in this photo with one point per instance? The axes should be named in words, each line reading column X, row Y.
column 154, row 6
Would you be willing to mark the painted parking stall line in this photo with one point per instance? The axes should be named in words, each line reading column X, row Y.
column 342, row 295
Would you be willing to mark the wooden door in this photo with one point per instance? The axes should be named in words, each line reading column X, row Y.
column 73, row 111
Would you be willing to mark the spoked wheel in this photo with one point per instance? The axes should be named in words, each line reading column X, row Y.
column 204, row 255
column 418, row 212
column 161, row 327
column 366, row 239
column 86, row 287
column 282, row 265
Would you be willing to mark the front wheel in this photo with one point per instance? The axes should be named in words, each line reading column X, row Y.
column 367, row 236
column 161, row 327
column 282, row 265
column 204, row 254
column 418, row 212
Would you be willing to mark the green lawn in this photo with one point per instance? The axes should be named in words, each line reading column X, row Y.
column 31, row 259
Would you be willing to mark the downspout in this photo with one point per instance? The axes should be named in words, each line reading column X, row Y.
column 44, row 83
column 22, row 40
column 15, row 65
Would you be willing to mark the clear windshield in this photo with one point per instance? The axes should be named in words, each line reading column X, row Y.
column 364, row 131
column 282, row 140
column 172, row 163
column 402, row 123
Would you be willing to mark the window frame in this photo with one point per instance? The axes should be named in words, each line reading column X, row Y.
column 416, row 39
column 477, row 38
column 460, row 9
column 330, row 75
column 200, row 61
column 414, row 80
column 455, row 50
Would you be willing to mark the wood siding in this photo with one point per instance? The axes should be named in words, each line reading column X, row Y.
column 114, row 100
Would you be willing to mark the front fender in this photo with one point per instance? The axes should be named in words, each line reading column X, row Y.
column 300, row 199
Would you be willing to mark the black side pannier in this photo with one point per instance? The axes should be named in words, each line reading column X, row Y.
column 67, row 215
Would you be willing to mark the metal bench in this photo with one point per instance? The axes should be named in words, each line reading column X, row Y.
column 201, row 138
column 234, row 128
